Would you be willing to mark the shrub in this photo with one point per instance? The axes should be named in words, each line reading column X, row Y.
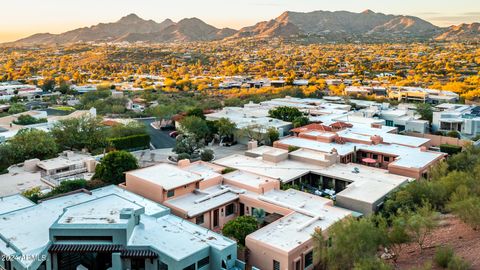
column 453, row 134
column 228, row 170
column 457, row 263
column 443, row 256
column 26, row 119
column 182, row 156
column 292, row 148
column 207, row 155
column 131, row 142
column 450, row 149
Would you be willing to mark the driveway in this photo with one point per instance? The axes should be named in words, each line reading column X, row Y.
column 158, row 138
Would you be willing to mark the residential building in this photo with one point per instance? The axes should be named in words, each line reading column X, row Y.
column 67, row 166
column 399, row 154
column 464, row 119
column 107, row 228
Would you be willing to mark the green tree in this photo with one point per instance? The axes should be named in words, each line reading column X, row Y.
column 300, row 121
column 32, row 143
column 239, row 228
column 285, row 113
column 272, row 135
column 196, row 112
column 353, row 240
column 78, row 133
column 113, row 166
column 207, row 155
column 466, row 206
column 225, row 127
column 195, row 126
column 187, row 144
column 425, row 111
column 421, row 223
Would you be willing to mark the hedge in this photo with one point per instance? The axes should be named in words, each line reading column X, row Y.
column 450, row 149
column 140, row 141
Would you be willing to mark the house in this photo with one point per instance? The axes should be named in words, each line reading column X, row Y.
column 67, row 166
column 464, row 119
column 399, row 154
column 107, row 228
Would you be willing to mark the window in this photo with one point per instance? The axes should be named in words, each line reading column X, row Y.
column 364, row 154
column 229, row 257
column 199, row 220
column 276, row 265
column 203, row 262
column 163, row 266
column 170, row 193
column 190, row 267
column 386, row 159
column 308, row 259
column 298, row 265
column 138, row 263
column 375, row 156
column 389, row 123
column 230, row 209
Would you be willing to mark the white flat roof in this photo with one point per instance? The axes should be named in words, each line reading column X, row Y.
column 266, row 149
column 247, row 178
column 204, row 169
column 105, row 210
column 166, row 175
column 13, row 203
column 408, row 157
column 170, row 234
column 284, row 170
column 289, row 232
column 28, row 229
column 63, row 161
column 199, row 202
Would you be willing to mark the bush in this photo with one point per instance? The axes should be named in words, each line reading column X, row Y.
column 453, row 134
column 35, row 194
column 182, row 156
column 26, row 119
column 450, row 149
column 130, row 142
column 457, row 263
column 443, row 256
column 207, row 155
column 228, row 170
column 292, row 148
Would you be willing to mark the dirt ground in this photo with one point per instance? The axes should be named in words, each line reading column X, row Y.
column 451, row 231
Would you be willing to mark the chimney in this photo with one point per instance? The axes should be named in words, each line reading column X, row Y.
column 252, row 145
column 376, row 139
column 183, row 163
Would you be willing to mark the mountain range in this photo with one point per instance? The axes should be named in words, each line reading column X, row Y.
column 332, row 26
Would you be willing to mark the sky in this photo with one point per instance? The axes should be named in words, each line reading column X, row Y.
column 21, row 18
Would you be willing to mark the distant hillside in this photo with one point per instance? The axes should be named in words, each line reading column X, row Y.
column 340, row 22
column 461, row 32
column 329, row 26
column 133, row 28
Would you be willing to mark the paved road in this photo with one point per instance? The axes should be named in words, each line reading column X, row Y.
column 159, row 138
